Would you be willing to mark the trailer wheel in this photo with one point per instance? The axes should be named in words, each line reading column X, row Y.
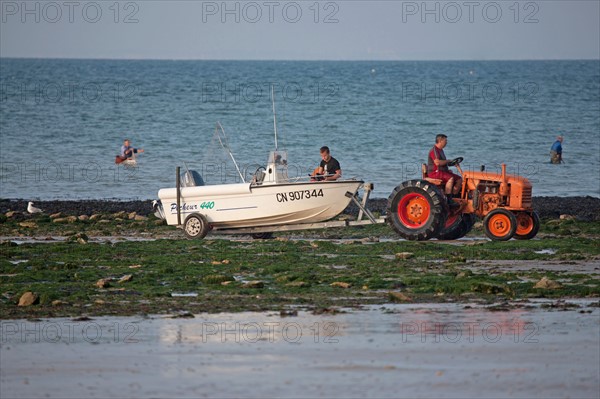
column 416, row 210
column 196, row 226
column 457, row 226
column 262, row 236
column 528, row 225
column 500, row 225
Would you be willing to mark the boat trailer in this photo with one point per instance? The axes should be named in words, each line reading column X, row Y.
column 365, row 217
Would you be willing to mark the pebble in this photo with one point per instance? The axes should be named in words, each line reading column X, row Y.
column 103, row 283
column 547, row 284
column 28, row 299
column 125, row 278
column 67, row 219
column 399, row 297
column 254, row 284
column 288, row 313
column 340, row 284
column 566, row 217
column 404, row 255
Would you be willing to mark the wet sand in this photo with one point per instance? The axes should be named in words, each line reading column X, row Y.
column 424, row 350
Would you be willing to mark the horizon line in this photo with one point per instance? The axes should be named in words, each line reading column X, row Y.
column 298, row 60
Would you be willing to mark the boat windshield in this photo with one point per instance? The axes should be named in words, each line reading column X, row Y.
column 277, row 168
column 279, row 158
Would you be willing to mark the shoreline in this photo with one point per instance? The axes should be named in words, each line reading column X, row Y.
column 583, row 208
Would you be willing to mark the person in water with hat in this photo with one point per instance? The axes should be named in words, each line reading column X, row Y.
column 556, row 151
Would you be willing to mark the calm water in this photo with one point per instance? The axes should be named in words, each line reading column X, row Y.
column 63, row 121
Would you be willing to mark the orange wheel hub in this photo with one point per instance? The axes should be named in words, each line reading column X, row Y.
column 499, row 225
column 413, row 210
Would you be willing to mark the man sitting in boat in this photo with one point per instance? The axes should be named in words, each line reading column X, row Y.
column 127, row 152
column 329, row 168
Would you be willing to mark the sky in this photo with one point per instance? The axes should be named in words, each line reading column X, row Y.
column 301, row 30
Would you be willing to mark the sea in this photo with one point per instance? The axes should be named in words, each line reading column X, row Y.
column 62, row 121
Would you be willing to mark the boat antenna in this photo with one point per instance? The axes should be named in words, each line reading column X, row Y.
column 225, row 146
column 274, row 116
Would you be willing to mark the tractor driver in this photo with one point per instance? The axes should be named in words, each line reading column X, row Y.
column 437, row 168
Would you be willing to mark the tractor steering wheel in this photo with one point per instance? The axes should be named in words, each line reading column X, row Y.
column 455, row 161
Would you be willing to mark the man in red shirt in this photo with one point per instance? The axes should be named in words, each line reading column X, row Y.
column 437, row 167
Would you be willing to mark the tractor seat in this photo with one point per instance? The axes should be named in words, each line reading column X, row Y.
column 437, row 182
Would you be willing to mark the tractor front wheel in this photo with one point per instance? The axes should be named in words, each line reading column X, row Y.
column 500, row 225
column 528, row 225
column 416, row 210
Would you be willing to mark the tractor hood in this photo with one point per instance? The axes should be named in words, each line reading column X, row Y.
column 519, row 195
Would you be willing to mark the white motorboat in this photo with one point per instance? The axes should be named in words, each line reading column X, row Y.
column 270, row 199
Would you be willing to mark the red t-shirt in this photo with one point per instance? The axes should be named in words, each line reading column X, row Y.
column 436, row 153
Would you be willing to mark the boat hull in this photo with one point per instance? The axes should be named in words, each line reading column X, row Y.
column 243, row 205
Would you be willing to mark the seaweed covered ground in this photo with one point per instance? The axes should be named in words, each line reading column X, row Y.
column 125, row 264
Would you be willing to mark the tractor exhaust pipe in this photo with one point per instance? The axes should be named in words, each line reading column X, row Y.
column 503, row 183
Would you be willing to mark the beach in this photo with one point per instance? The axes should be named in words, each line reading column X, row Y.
column 534, row 349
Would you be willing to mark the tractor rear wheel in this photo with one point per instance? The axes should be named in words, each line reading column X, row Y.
column 500, row 225
column 457, row 226
column 528, row 225
column 416, row 210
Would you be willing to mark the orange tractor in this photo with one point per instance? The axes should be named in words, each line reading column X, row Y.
column 418, row 209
